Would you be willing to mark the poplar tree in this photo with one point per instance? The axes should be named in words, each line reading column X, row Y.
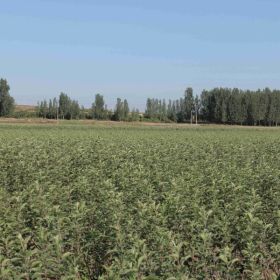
column 125, row 110
column 189, row 104
column 7, row 102
column 98, row 107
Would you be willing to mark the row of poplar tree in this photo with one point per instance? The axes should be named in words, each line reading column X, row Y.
column 64, row 107
column 219, row 105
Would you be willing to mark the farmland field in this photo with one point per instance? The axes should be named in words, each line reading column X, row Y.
column 124, row 202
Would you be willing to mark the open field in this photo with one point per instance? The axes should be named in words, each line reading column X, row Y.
column 25, row 108
column 108, row 123
column 115, row 201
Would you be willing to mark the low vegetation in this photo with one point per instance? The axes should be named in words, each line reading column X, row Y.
column 85, row 202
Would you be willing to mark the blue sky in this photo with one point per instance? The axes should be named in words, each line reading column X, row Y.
column 137, row 49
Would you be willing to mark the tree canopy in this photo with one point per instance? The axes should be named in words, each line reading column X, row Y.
column 218, row 105
column 6, row 101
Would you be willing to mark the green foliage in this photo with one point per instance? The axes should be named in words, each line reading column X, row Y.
column 64, row 108
column 235, row 106
column 83, row 202
column 157, row 110
column 189, row 104
column 99, row 111
column 7, row 102
column 24, row 114
column 219, row 105
column 121, row 112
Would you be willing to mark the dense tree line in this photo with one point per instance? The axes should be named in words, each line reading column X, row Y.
column 219, row 105
column 235, row 106
column 185, row 109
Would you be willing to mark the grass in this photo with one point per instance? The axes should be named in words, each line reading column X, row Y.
column 25, row 108
column 103, row 200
